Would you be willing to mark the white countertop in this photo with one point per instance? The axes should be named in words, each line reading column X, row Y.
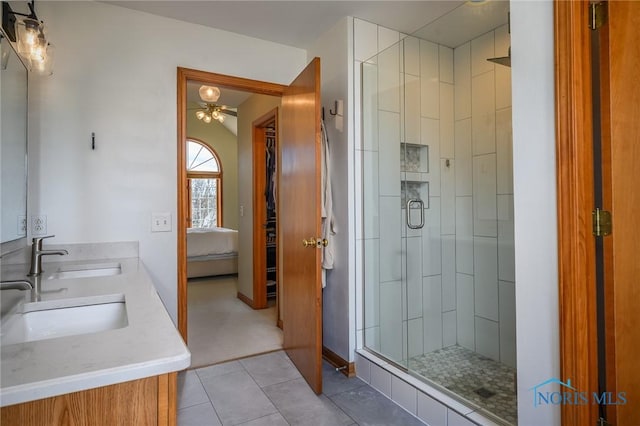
column 148, row 346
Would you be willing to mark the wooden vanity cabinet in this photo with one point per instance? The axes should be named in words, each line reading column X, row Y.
column 149, row 401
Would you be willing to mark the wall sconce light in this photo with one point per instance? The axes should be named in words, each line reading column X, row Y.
column 28, row 32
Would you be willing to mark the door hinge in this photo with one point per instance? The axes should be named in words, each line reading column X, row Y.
column 601, row 222
column 597, row 15
column 602, row 422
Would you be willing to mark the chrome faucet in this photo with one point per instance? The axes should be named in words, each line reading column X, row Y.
column 36, row 255
column 16, row 285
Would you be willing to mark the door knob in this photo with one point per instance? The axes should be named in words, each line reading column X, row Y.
column 315, row 242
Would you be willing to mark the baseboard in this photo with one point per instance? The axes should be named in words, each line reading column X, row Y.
column 345, row 367
column 246, row 300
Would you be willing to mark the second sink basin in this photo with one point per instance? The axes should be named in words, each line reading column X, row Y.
column 66, row 317
column 87, row 271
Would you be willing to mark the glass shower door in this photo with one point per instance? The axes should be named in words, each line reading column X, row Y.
column 384, row 218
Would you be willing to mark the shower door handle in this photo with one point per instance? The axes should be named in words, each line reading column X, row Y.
column 409, row 203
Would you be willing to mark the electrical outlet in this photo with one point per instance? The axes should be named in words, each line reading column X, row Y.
column 39, row 225
column 22, row 225
column 160, row 222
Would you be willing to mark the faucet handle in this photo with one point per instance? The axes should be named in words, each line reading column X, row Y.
column 37, row 241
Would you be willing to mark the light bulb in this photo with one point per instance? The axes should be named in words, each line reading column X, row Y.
column 215, row 114
column 200, row 114
column 207, row 118
column 30, row 33
column 221, row 118
column 209, row 93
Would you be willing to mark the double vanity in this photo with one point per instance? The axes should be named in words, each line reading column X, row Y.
column 95, row 343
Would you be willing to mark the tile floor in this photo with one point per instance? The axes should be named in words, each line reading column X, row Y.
column 267, row 390
column 481, row 380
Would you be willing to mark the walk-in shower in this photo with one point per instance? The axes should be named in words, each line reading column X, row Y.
column 438, row 255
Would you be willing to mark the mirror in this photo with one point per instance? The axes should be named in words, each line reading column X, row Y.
column 13, row 148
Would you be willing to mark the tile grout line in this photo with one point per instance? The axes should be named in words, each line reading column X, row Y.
column 208, row 397
column 267, row 396
column 331, row 398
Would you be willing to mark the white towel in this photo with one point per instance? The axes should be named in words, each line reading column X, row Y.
column 328, row 225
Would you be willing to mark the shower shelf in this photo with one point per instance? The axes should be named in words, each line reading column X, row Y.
column 414, row 158
column 414, row 190
column 416, row 177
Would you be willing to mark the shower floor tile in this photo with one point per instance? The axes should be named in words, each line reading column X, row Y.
column 480, row 380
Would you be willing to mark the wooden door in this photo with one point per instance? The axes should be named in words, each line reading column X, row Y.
column 620, row 53
column 299, row 220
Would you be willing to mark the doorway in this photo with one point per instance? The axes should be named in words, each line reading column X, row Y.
column 299, row 155
column 223, row 326
column 265, row 214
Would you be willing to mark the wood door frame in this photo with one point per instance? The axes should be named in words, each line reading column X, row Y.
column 260, row 209
column 220, row 80
column 575, row 187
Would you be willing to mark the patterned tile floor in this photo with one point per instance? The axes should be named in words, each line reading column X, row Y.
column 480, row 380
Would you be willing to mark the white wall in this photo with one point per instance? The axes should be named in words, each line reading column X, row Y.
column 534, row 175
column 225, row 144
column 115, row 75
column 335, row 51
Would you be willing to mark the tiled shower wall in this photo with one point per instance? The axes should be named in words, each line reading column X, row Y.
column 450, row 293
column 485, row 276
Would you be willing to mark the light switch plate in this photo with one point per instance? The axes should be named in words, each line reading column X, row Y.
column 160, row 222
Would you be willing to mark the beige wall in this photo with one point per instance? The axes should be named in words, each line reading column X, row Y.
column 225, row 144
column 252, row 109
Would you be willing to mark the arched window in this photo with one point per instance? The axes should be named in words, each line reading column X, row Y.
column 204, row 176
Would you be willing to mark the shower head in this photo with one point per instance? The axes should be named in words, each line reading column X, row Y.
column 503, row 60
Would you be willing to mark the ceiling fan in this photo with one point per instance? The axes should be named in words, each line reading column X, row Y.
column 209, row 110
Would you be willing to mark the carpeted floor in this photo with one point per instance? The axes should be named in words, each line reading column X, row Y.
column 222, row 328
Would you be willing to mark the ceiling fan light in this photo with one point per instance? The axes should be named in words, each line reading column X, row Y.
column 200, row 115
column 209, row 93
column 207, row 118
column 221, row 118
column 215, row 114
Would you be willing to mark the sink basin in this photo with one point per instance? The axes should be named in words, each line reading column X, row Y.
column 65, row 317
column 87, row 271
